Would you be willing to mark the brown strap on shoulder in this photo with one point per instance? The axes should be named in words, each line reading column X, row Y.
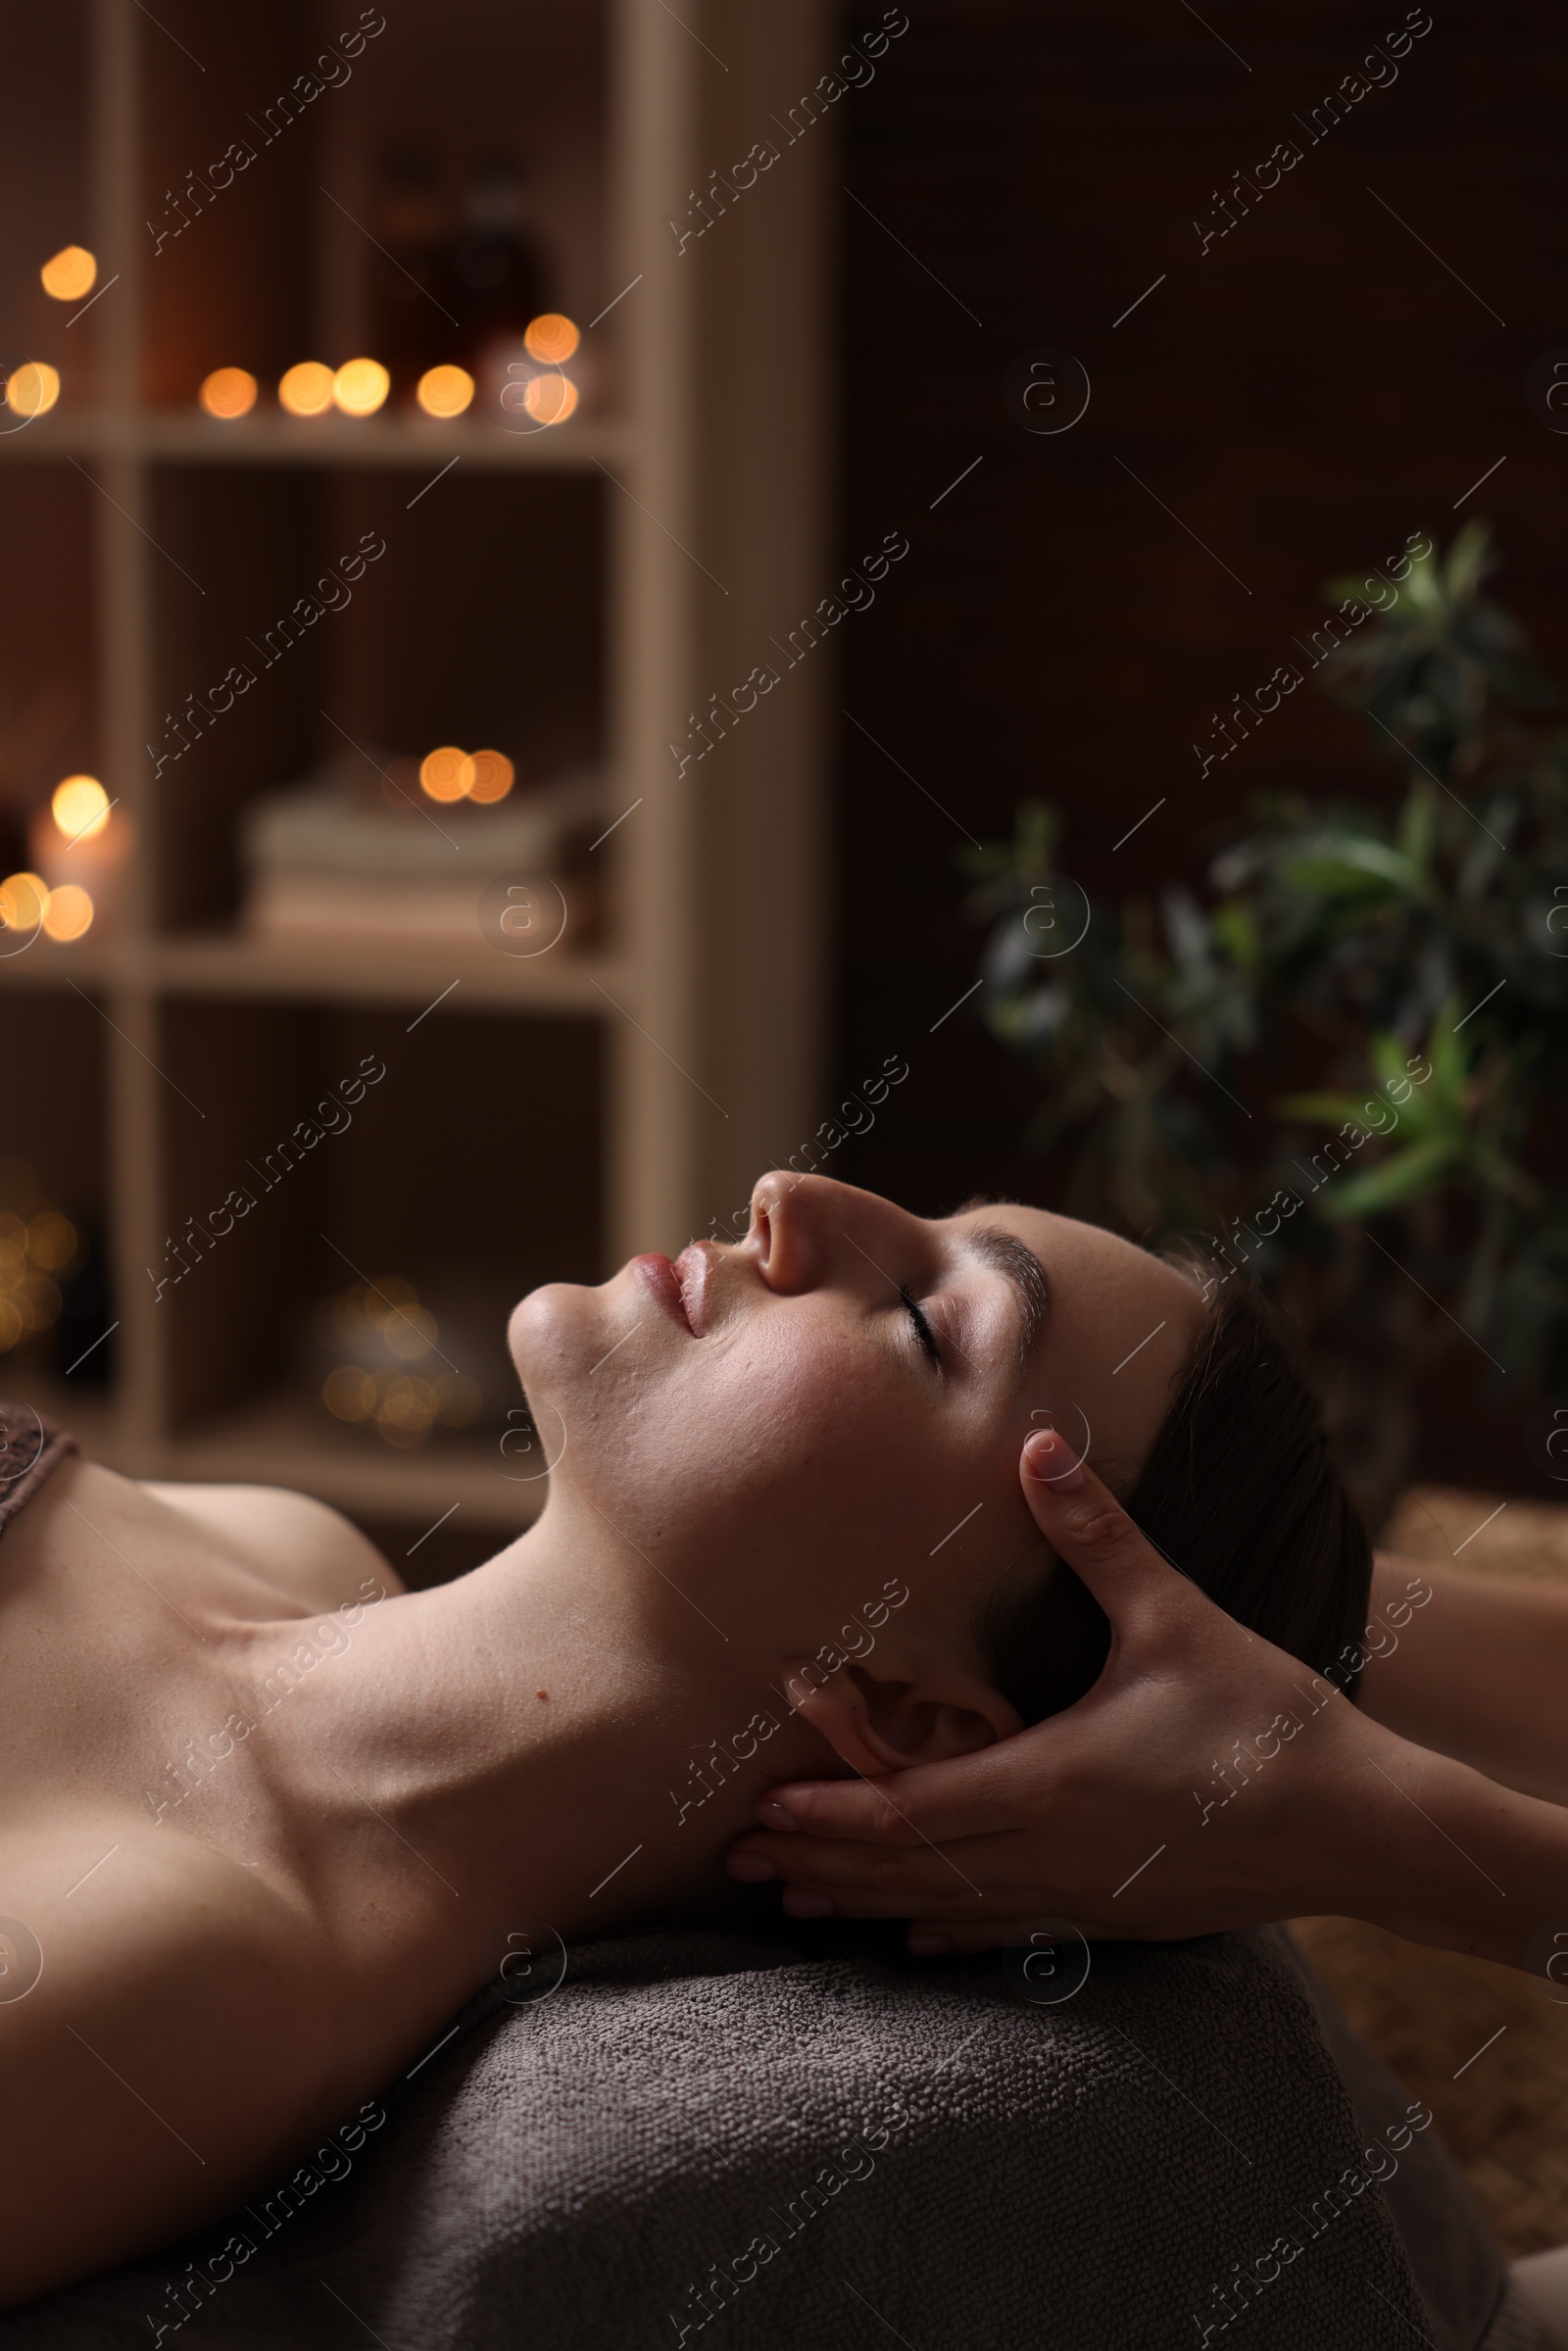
column 30, row 1447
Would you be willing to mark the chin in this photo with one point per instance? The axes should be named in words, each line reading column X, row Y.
column 549, row 1330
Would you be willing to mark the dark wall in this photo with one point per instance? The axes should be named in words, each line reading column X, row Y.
column 1303, row 394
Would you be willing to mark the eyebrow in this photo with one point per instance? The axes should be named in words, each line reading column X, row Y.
column 1007, row 1255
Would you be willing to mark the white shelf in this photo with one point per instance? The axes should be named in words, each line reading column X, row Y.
column 714, row 937
column 307, row 971
column 153, row 436
column 279, row 1443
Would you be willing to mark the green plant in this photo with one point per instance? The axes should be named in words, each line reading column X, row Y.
column 1192, row 1051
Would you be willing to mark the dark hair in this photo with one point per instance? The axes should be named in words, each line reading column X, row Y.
column 1238, row 1491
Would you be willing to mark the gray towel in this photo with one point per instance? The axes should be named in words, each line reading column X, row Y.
column 704, row 2141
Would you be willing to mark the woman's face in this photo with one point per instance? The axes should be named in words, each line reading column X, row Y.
column 785, row 1425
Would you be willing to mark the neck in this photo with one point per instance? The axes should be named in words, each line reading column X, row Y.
column 548, row 1742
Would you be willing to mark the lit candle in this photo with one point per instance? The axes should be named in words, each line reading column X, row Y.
column 79, row 843
column 69, row 274
column 305, row 391
column 229, row 392
column 32, row 389
column 444, row 391
column 359, row 386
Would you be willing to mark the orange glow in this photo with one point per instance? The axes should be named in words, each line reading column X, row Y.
column 33, row 388
column 551, row 338
column 491, row 775
column 359, row 386
column 79, row 807
column 349, row 1392
column 305, row 391
column 444, row 391
column 69, row 274
column 51, row 1240
column 69, row 912
column 229, row 392
column 441, row 772
column 22, row 900
column 549, row 398
column 38, row 1302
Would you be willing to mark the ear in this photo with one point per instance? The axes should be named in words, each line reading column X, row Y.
column 878, row 1722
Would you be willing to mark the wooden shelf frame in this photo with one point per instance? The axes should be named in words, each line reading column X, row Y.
column 715, row 464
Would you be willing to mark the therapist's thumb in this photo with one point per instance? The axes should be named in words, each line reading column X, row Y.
column 1086, row 1527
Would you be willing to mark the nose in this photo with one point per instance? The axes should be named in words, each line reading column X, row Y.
column 788, row 1228
column 806, row 1228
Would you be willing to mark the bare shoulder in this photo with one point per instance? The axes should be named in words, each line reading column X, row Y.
column 293, row 1543
column 169, row 2021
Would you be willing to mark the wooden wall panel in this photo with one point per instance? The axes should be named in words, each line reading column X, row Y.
column 1318, row 383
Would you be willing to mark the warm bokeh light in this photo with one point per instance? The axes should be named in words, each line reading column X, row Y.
column 51, row 1240
column 32, row 389
column 384, row 1318
column 449, row 774
column 305, row 391
column 32, row 1246
column 444, row 391
column 383, row 1297
column 406, row 1410
column 229, row 392
column 441, row 772
column 551, row 338
column 359, row 386
column 22, row 900
column 79, row 807
column 411, row 1332
column 69, row 274
column 549, row 398
column 490, row 777
column 69, row 912
column 349, row 1394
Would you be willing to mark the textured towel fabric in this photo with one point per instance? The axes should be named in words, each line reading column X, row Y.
column 707, row 2141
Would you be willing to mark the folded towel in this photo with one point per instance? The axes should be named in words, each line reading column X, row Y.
column 707, row 2141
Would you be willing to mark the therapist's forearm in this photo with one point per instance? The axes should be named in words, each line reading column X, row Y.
column 1468, row 1866
column 1479, row 1673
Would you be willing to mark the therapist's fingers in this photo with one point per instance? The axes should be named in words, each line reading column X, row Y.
column 978, row 1794
column 892, row 1883
column 1086, row 1527
column 968, row 1795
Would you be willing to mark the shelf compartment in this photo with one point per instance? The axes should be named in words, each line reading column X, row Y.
column 472, row 614
column 267, row 1225
column 54, row 1054
column 46, row 199
column 300, row 243
column 50, row 656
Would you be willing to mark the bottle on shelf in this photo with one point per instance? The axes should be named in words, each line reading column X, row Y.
column 492, row 283
column 410, row 330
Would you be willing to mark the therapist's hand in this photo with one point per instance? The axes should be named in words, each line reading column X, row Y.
column 1097, row 1816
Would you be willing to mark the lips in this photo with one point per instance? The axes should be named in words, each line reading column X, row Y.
column 693, row 1271
column 663, row 1280
column 681, row 1287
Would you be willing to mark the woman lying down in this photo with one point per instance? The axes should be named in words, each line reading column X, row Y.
column 270, row 1819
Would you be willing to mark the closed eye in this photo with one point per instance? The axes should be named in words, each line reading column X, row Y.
column 923, row 1326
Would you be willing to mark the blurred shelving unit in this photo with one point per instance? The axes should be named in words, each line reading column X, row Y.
column 540, row 1116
